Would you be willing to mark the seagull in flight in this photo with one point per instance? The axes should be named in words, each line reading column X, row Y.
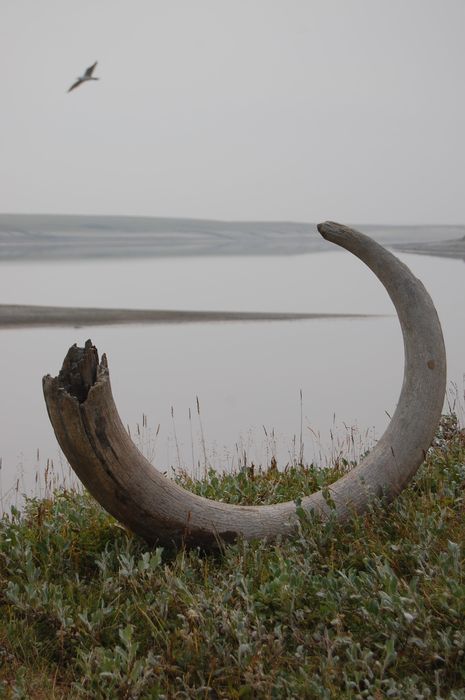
column 87, row 76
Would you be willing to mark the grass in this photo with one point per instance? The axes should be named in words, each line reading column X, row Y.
column 373, row 609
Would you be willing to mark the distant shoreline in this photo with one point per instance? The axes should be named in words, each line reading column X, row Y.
column 41, row 237
column 19, row 316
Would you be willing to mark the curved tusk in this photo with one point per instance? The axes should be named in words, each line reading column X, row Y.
column 90, row 433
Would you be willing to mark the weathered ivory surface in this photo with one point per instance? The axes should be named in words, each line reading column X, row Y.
column 90, row 433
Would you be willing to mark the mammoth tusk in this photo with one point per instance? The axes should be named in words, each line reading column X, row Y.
column 90, row 432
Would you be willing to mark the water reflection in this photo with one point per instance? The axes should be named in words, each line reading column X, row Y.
column 248, row 376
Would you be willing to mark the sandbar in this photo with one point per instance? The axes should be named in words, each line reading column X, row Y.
column 21, row 316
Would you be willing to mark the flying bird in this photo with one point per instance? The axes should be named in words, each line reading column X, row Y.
column 87, row 76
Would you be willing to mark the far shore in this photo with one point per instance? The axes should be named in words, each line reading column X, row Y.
column 41, row 237
column 18, row 316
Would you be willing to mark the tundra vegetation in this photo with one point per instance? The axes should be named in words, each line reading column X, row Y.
column 372, row 608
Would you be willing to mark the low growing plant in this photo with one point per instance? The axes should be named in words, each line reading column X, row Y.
column 371, row 609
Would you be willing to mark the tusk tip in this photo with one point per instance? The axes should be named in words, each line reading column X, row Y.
column 332, row 231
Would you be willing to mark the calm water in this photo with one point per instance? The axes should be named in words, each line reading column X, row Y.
column 248, row 376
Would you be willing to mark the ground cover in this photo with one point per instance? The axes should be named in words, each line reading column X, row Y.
column 371, row 609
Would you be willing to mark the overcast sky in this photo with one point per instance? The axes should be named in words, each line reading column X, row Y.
column 300, row 110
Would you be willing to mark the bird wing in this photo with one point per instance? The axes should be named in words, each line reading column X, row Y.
column 88, row 72
column 75, row 85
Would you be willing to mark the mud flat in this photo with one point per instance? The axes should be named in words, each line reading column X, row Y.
column 17, row 316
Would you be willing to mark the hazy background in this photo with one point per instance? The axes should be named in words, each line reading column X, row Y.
column 298, row 110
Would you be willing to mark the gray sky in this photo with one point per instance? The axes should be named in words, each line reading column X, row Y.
column 301, row 110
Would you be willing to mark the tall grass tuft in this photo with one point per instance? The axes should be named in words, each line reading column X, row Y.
column 372, row 609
